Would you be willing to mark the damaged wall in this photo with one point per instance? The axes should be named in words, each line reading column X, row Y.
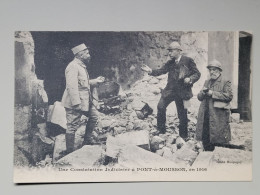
column 115, row 55
column 31, row 100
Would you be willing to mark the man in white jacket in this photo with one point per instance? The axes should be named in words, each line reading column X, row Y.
column 77, row 98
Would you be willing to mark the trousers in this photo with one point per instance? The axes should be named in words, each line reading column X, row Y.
column 182, row 114
column 73, row 122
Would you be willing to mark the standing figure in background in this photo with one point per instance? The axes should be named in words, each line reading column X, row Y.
column 213, row 117
column 182, row 74
column 77, row 97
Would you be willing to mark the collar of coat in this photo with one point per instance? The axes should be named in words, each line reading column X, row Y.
column 79, row 62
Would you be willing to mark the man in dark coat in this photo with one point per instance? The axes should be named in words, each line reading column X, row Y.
column 182, row 74
column 213, row 117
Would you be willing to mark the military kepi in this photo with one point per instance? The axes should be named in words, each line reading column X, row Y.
column 78, row 48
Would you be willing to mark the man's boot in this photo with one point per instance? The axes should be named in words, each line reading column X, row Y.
column 70, row 139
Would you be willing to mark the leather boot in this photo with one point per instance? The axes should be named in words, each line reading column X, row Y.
column 70, row 139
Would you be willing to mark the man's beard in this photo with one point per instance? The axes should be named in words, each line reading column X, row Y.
column 86, row 60
column 214, row 76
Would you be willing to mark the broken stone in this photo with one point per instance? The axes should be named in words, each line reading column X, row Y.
column 58, row 115
column 106, row 123
column 155, row 142
column 154, row 81
column 174, row 148
column 137, row 138
column 41, row 146
column 167, row 153
column 204, row 159
column 42, row 129
column 235, row 117
column 59, row 147
column 179, row 142
column 86, row 156
column 159, row 152
column 119, row 130
column 130, row 126
column 133, row 156
column 171, row 139
column 185, row 156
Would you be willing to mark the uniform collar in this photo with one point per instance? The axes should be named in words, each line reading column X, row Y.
column 80, row 62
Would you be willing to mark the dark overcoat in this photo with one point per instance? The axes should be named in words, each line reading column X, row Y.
column 219, row 111
column 176, row 88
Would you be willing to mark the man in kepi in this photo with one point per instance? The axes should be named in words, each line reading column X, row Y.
column 182, row 74
column 213, row 117
column 77, row 97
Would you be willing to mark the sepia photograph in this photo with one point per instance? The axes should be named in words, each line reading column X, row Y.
column 130, row 106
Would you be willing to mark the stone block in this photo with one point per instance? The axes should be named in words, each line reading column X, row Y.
column 159, row 152
column 155, row 142
column 133, row 156
column 179, row 142
column 204, row 159
column 57, row 115
column 137, row 138
column 167, row 153
column 235, row 117
column 87, row 156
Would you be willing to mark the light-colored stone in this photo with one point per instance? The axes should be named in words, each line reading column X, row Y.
column 106, row 123
column 137, row 138
column 159, row 152
column 58, row 115
column 119, row 130
column 42, row 129
column 235, row 117
column 59, row 147
column 167, row 153
column 174, row 148
column 179, row 142
column 133, row 156
column 87, row 156
column 185, row 155
column 155, row 142
column 154, row 80
column 204, row 159
column 171, row 139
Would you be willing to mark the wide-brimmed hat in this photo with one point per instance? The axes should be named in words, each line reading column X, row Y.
column 175, row 45
column 215, row 63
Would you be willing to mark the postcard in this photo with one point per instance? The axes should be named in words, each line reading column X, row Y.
column 121, row 106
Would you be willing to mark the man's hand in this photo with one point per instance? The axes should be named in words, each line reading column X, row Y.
column 209, row 93
column 187, row 80
column 100, row 79
column 146, row 68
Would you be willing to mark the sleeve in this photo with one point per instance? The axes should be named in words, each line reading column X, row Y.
column 163, row 70
column 195, row 73
column 226, row 95
column 201, row 95
column 71, row 75
column 92, row 82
